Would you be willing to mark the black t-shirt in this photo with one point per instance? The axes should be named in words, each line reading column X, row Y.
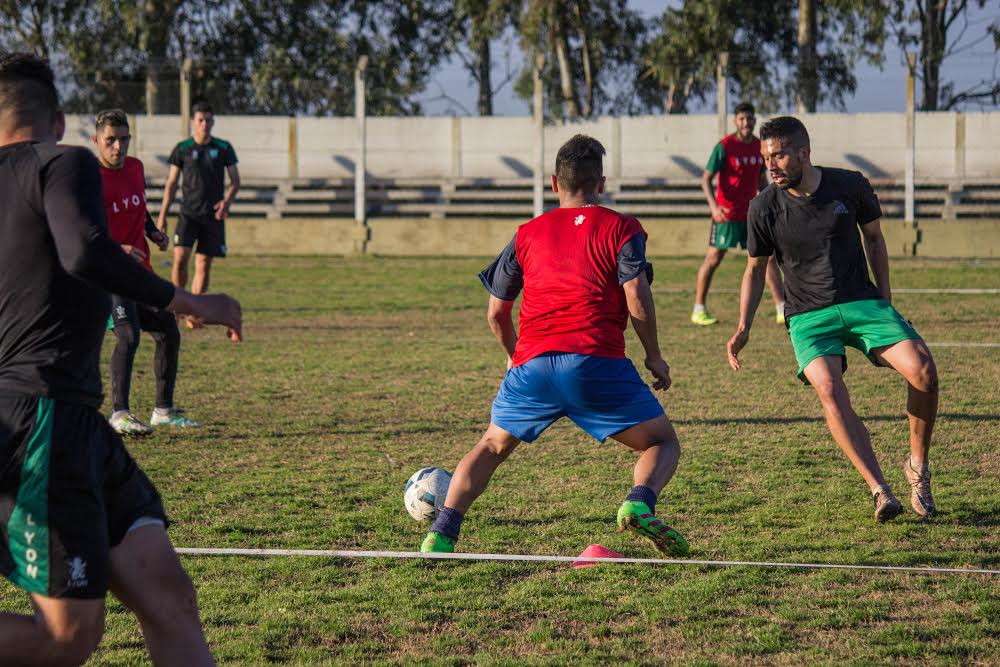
column 816, row 239
column 57, row 265
column 504, row 278
column 203, row 167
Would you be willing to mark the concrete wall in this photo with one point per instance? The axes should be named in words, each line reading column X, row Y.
column 640, row 147
column 485, row 238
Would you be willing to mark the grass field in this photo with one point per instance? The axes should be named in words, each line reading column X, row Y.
column 357, row 372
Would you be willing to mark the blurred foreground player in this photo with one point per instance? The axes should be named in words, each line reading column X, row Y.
column 81, row 518
column 809, row 219
column 584, row 273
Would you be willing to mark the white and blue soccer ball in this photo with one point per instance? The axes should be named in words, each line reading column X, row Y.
column 425, row 493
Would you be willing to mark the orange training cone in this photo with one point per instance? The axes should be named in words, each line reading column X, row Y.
column 594, row 551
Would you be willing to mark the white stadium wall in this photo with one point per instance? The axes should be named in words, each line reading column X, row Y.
column 671, row 148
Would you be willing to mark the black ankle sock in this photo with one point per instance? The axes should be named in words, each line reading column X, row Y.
column 643, row 494
column 448, row 523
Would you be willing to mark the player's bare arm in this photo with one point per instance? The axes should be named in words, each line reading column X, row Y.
column 501, row 321
column 159, row 239
column 718, row 212
column 878, row 257
column 222, row 207
column 639, row 298
column 169, row 192
column 750, row 292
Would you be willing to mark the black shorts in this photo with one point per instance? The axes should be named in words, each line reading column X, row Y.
column 206, row 230
column 147, row 318
column 69, row 491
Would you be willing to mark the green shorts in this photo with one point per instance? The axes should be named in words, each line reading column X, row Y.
column 726, row 235
column 864, row 325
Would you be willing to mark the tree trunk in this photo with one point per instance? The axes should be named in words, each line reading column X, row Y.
column 484, row 77
column 808, row 84
column 157, row 21
column 588, row 76
column 932, row 51
column 572, row 107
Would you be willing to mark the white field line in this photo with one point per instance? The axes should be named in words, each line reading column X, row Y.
column 334, row 553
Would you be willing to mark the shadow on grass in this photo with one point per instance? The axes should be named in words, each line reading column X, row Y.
column 956, row 416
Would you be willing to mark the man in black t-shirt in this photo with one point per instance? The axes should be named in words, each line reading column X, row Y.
column 809, row 219
column 79, row 516
column 204, row 161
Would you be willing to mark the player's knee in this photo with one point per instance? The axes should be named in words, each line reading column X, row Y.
column 171, row 599
column 926, row 379
column 829, row 391
column 73, row 643
column 127, row 337
column 498, row 447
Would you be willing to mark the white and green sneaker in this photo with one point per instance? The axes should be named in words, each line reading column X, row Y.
column 125, row 423
column 174, row 418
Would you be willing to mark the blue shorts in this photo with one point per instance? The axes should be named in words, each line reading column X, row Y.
column 602, row 396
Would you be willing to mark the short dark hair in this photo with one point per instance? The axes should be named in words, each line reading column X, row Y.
column 580, row 164
column 203, row 107
column 785, row 128
column 110, row 118
column 27, row 88
column 744, row 107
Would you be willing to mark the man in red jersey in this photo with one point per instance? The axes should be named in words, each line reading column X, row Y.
column 124, row 187
column 736, row 159
column 584, row 273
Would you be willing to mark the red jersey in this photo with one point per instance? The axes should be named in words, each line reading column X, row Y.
column 125, row 202
column 739, row 166
column 572, row 299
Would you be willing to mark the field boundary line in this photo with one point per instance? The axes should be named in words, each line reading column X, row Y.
column 336, row 553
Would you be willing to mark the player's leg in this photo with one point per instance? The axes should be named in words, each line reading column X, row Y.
column 825, row 374
column 660, row 452
column 179, row 271
column 147, row 576
column 202, row 273
column 714, row 257
column 61, row 632
column 911, row 359
column 162, row 327
column 125, row 318
column 773, row 279
column 524, row 407
column 472, row 475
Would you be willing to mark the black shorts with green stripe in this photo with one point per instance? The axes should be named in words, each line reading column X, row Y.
column 69, row 492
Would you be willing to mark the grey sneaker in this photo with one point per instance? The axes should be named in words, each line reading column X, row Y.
column 125, row 423
column 175, row 418
column 886, row 505
column 920, row 489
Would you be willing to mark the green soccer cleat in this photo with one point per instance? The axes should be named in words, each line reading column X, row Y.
column 436, row 543
column 175, row 419
column 125, row 423
column 702, row 318
column 637, row 518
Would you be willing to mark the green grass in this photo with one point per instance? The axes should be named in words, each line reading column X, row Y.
column 357, row 372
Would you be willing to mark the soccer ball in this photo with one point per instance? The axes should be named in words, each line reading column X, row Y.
column 425, row 492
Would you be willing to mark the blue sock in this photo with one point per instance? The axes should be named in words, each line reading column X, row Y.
column 643, row 494
column 448, row 523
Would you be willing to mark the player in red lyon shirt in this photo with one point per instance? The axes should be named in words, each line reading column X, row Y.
column 584, row 274
column 124, row 186
column 737, row 161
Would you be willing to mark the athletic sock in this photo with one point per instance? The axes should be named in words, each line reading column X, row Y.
column 162, row 412
column 780, row 308
column 643, row 494
column 448, row 523
column 920, row 467
column 119, row 413
column 699, row 308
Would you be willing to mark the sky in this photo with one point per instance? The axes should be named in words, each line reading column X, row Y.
column 452, row 91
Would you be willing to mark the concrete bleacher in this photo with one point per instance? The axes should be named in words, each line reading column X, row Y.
column 513, row 198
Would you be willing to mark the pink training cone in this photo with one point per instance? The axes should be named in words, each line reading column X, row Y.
column 595, row 551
